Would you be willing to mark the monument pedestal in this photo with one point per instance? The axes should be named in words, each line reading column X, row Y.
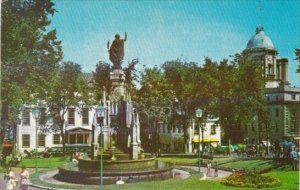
column 134, row 151
column 117, row 78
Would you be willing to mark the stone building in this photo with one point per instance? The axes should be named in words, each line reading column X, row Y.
column 283, row 100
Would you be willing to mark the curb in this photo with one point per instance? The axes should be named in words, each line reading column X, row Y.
column 47, row 188
column 41, row 187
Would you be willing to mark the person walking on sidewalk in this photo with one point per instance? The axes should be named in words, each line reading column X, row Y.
column 11, row 183
column 216, row 169
column 24, row 179
column 208, row 168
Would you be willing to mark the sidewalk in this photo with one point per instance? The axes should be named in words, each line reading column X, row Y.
column 221, row 173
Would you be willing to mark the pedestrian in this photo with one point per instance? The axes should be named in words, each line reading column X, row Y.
column 216, row 169
column 11, row 183
column 295, row 160
column 120, row 181
column 208, row 168
column 24, row 179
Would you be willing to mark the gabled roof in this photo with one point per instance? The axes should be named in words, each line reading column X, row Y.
column 78, row 129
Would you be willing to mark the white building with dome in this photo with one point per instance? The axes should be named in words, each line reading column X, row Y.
column 283, row 100
column 260, row 49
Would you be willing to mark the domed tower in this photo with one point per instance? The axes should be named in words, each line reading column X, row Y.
column 260, row 49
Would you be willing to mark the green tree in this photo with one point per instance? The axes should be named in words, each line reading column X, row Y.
column 131, row 76
column 153, row 100
column 69, row 89
column 241, row 98
column 182, row 76
column 29, row 53
column 101, row 79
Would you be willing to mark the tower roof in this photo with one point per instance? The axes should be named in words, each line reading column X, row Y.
column 260, row 40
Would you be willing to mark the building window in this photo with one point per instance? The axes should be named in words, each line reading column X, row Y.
column 26, row 117
column 78, row 138
column 277, row 97
column 276, row 128
column 25, row 141
column 293, row 96
column 56, row 139
column 179, row 129
column 71, row 116
column 213, row 129
column 169, row 128
column 276, row 112
column 270, row 69
column 42, row 142
column 85, row 116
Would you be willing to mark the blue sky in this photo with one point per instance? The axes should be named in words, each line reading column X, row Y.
column 161, row 30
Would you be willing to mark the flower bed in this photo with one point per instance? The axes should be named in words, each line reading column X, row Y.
column 250, row 179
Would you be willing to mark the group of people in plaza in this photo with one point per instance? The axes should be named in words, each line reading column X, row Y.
column 284, row 151
column 11, row 182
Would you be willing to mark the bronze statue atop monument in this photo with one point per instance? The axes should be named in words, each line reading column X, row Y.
column 116, row 51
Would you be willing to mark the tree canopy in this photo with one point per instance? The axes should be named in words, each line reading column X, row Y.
column 231, row 91
column 30, row 52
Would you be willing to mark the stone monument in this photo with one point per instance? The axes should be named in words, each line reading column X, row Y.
column 119, row 130
column 123, row 118
column 117, row 76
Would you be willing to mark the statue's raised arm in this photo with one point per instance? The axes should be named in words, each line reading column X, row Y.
column 116, row 51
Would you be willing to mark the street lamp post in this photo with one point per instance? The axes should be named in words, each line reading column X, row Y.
column 36, row 115
column 199, row 113
column 101, row 114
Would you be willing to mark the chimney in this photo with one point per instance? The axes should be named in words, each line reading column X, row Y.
column 284, row 70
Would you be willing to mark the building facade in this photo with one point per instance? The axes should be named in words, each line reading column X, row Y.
column 171, row 138
column 78, row 130
column 283, row 100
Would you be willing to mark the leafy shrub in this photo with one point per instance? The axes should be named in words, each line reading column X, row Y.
column 220, row 149
column 250, row 179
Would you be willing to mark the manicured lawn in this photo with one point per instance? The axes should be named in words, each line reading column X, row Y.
column 52, row 162
column 257, row 165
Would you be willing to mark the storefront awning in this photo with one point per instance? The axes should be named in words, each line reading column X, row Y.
column 206, row 139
